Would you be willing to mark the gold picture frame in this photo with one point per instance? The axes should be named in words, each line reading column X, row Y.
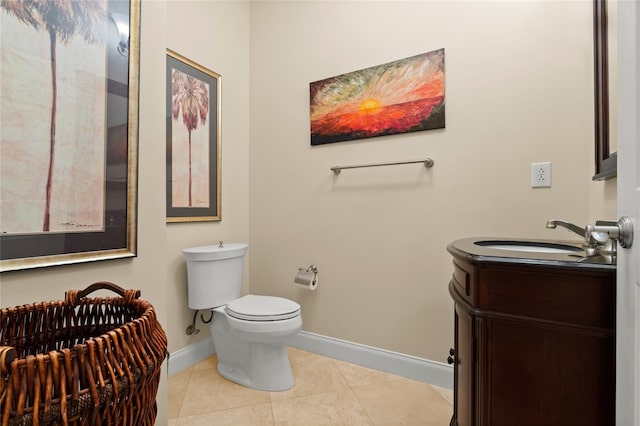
column 193, row 141
column 90, row 197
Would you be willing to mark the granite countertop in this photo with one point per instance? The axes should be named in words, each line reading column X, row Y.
column 473, row 250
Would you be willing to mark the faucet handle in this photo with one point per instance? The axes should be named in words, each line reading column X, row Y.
column 622, row 231
column 603, row 230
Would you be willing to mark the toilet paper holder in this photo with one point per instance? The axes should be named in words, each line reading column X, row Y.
column 307, row 277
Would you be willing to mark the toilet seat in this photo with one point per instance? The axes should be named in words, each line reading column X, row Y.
column 262, row 308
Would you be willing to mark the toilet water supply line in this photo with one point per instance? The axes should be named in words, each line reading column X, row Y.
column 192, row 328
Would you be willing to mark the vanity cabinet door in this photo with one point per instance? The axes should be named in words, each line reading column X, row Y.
column 549, row 374
column 464, row 369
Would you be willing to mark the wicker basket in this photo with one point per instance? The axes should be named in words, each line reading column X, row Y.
column 81, row 361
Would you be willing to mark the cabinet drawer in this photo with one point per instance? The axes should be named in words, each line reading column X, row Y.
column 462, row 281
column 572, row 298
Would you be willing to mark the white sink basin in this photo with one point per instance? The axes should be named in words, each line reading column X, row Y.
column 530, row 246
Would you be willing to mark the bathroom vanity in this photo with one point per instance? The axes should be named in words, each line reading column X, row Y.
column 534, row 334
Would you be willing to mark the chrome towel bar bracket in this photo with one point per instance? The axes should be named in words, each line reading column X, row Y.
column 428, row 163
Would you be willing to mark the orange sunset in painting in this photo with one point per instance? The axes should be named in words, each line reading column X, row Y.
column 398, row 97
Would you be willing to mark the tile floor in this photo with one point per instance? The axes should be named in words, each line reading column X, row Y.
column 327, row 392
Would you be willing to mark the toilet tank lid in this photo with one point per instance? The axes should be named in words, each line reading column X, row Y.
column 215, row 252
column 262, row 307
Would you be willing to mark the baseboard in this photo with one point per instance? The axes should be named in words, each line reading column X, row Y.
column 190, row 355
column 424, row 370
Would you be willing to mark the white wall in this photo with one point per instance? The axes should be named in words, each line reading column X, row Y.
column 518, row 90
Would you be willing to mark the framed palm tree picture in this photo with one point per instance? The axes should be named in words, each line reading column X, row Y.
column 193, row 141
column 69, row 116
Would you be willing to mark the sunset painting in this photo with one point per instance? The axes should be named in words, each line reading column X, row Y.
column 397, row 97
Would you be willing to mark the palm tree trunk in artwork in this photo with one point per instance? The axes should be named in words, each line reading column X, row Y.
column 189, row 168
column 52, row 134
column 191, row 96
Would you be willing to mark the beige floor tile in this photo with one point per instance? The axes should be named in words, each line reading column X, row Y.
column 331, row 408
column 357, row 375
column 211, row 362
column 321, row 395
column 312, row 375
column 403, row 402
column 178, row 384
column 255, row 415
column 208, row 392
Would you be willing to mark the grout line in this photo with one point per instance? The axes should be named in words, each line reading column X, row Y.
column 335, row 365
column 361, row 406
column 273, row 414
column 184, row 394
column 435, row 388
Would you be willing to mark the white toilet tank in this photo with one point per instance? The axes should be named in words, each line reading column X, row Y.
column 214, row 274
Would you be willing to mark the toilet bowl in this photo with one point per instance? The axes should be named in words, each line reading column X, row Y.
column 251, row 352
column 250, row 332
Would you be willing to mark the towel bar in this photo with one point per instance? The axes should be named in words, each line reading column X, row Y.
column 428, row 163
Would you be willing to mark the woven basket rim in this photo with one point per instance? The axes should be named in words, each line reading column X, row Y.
column 96, row 378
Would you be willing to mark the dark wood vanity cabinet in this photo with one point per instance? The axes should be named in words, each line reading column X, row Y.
column 534, row 344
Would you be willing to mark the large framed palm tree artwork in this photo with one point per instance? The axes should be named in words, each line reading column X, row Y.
column 193, row 141
column 69, row 80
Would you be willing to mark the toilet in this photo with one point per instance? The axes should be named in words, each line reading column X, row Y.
column 249, row 333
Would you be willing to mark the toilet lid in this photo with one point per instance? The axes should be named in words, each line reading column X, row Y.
column 262, row 308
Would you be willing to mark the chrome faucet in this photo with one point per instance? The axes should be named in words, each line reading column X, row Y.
column 602, row 237
column 553, row 223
